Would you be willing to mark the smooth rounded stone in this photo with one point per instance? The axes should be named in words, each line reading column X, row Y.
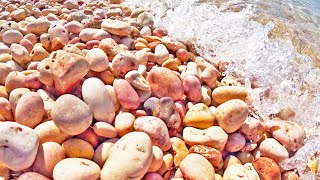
column 199, row 116
column 122, row 162
column 97, row 97
column 78, row 148
column 31, row 37
column 156, row 129
column 77, row 16
column 29, row 110
column 137, row 80
column 92, row 44
column 76, row 169
column 104, row 129
column 20, row 54
column 145, row 31
column 214, row 137
column 57, row 43
column 183, row 55
column 5, row 109
column 172, row 45
column 124, row 123
column 124, row 62
column 231, row 115
column 288, row 133
column 74, row 27
column 203, row 171
column 38, row 53
column 33, row 176
column 126, row 95
column 64, row 71
column 192, row 88
column 19, row 15
column 14, row 80
column 110, row 47
column 211, row 154
column 58, row 30
column 157, row 159
column 15, row 95
column 19, row 145
column 4, row 72
column 165, row 109
column 98, row 60
column 271, row 148
column 88, row 34
column 52, row 17
column 145, row 19
column 267, row 168
column 161, row 54
column 49, row 154
column 252, row 129
column 12, row 36
column 114, row 12
column 164, row 83
column 239, row 171
column 225, row 93
column 235, row 142
column 38, row 26
column 71, row 115
column 49, row 132
column 116, row 27
column 48, row 101
column 180, row 150
column 32, row 81
column 150, row 104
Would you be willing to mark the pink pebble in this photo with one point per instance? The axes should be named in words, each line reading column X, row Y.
column 153, row 176
column 127, row 96
column 92, row 43
column 192, row 88
column 27, row 44
column 74, row 40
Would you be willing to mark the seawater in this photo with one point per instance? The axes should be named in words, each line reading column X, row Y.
column 275, row 44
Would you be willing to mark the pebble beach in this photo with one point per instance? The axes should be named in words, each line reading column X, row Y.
column 97, row 90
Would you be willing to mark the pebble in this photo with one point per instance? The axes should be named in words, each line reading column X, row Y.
column 12, row 36
column 38, row 26
column 126, row 95
column 116, row 27
column 78, row 148
column 180, row 150
column 124, row 62
column 75, row 169
column 211, row 154
column 19, row 144
column 98, row 99
column 164, row 83
column 204, row 170
column 74, row 121
column 199, row 116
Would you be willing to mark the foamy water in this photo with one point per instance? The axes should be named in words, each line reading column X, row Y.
column 275, row 64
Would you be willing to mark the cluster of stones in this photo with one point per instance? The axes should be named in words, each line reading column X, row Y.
column 92, row 90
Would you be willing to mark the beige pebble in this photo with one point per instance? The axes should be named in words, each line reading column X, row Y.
column 157, row 159
column 76, row 169
column 271, row 148
column 199, row 116
column 49, row 132
column 103, row 151
column 12, row 36
column 104, row 129
column 116, row 27
column 73, row 121
column 78, row 148
column 124, row 123
column 203, row 171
